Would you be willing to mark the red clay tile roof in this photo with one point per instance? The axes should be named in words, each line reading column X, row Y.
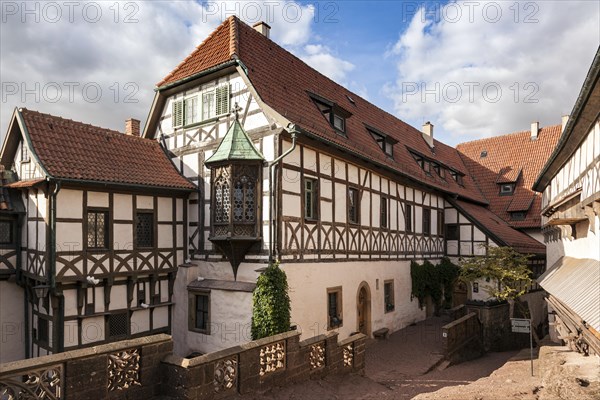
column 283, row 81
column 74, row 150
column 506, row 155
column 216, row 49
column 493, row 224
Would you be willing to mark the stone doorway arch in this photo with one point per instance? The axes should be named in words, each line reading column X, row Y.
column 363, row 309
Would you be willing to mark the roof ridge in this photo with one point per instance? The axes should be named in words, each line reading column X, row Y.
column 233, row 35
column 210, row 36
column 499, row 137
column 106, row 130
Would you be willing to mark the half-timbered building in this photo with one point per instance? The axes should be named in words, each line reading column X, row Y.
column 95, row 222
column 347, row 196
column 570, row 187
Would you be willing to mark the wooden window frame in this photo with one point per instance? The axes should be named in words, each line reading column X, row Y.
column 153, row 238
column 192, row 307
column 384, row 214
column 25, row 156
column 408, row 218
column 426, row 221
column 389, row 307
column 314, row 211
column 440, row 222
column 107, row 241
column 356, row 215
column 339, row 308
column 11, row 233
column 45, row 332
column 448, row 228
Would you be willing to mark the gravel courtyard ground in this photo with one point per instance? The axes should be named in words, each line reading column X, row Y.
column 407, row 365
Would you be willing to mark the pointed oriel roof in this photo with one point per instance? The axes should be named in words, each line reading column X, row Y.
column 236, row 146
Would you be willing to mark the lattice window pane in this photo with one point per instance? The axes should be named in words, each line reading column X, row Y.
column 202, row 312
column 117, row 324
column 96, row 233
column 42, row 330
column 6, row 232
column 144, row 229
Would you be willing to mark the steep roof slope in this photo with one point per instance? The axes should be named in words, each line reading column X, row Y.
column 73, row 150
column 497, row 227
column 284, row 82
column 511, row 158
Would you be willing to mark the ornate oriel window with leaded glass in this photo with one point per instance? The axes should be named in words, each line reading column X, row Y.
column 236, row 168
column 234, row 200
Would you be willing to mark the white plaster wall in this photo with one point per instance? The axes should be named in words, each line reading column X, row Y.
column 308, row 292
column 583, row 247
column 69, row 236
column 69, row 203
column 70, row 334
column 12, row 324
column 144, row 202
column 122, row 207
column 160, row 317
column 97, row 199
column 92, row 329
column 165, row 209
column 140, row 321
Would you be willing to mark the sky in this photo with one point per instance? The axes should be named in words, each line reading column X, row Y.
column 473, row 68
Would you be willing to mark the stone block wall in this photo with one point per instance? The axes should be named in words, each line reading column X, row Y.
column 128, row 369
column 260, row 365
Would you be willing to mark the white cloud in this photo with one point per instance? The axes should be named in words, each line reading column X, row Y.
column 99, row 62
column 321, row 58
column 451, row 66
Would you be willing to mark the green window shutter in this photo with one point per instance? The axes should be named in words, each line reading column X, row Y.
column 177, row 117
column 222, row 99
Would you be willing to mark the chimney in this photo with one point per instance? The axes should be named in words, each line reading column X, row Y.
column 535, row 129
column 132, row 127
column 263, row 28
column 565, row 119
column 428, row 133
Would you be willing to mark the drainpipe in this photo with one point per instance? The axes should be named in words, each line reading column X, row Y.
column 294, row 132
column 60, row 324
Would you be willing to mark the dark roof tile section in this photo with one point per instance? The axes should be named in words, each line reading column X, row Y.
column 74, row 150
column 520, row 241
column 508, row 155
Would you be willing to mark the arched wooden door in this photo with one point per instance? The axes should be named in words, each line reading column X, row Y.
column 363, row 305
column 460, row 295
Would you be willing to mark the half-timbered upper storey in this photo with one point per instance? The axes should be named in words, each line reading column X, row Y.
column 102, row 235
column 359, row 181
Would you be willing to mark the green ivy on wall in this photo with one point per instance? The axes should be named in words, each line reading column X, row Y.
column 436, row 281
column 270, row 304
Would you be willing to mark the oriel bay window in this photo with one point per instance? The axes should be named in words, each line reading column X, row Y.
column 236, row 168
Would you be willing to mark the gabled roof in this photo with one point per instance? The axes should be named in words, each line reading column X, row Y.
column 284, row 82
column 72, row 150
column 499, row 230
column 216, row 49
column 512, row 158
column 235, row 146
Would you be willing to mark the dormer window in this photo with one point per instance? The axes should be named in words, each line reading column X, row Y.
column 335, row 115
column 385, row 142
column 24, row 152
column 518, row 215
column 507, row 189
column 441, row 171
column 200, row 107
column 458, row 178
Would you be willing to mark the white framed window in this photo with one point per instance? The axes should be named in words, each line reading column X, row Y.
column 191, row 113
column 211, row 103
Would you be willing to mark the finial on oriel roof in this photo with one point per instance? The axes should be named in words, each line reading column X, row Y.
column 236, row 110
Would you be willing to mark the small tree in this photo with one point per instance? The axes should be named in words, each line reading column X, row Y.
column 270, row 303
column 505, row 269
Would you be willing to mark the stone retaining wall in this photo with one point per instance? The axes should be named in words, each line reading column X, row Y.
column 128, row 369
column 262, row 364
